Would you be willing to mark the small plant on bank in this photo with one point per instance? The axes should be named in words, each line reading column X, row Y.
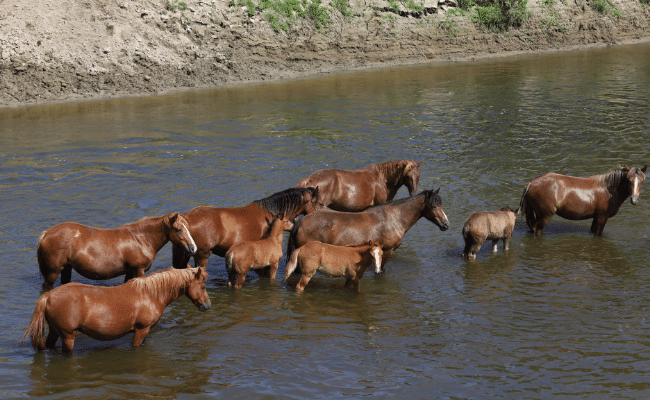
column 605, row 7
column 173, row 5
column 497, row 15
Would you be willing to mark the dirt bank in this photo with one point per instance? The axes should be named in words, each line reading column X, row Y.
column 53, row 51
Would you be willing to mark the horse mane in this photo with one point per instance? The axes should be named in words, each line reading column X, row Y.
column 285, row 202
column 612, row 178
column 393, row 171
column 161, row 284
column 431, row 198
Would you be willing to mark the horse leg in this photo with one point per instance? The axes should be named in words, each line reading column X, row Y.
column 541, row 223
column 265, row 272
column 67, row 340
column 241, row 276
column 139, row 336
column 274, row 269
column 475, row 248
column 469, row 241
column 598, row 225
column 49, row 280
column 66, row 274
column 52, row 337
column 304, row 280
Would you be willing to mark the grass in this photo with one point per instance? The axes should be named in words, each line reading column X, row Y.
column 605, row 7
column 497, row 15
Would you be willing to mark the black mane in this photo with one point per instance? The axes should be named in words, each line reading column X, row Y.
column 286, row 202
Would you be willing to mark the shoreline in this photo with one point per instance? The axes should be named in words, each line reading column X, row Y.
column 128, row 51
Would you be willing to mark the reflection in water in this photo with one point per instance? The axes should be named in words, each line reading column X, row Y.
column 560, row 314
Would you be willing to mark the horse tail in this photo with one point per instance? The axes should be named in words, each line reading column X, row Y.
column 525, row 208
column 291, row 242
column 40, row 257
column 36, row 329
column 291, row 265
column 180, row 256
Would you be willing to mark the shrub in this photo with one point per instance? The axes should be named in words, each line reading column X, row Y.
column 497, row 15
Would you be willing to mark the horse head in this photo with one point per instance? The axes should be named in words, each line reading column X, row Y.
column 179, row 232
column 196, row 291
column 433, row 210
column 411, row 176
column 314, row 201
column 376, row 252
column 635, row 177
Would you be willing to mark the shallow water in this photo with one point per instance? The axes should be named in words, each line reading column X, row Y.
column 563, row 314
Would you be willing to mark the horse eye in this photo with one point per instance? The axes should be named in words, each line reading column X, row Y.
column 179, row 230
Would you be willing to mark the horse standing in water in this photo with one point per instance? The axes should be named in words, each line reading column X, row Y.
column 385, row 224
column 356, row 190
column 97, row 253
column 256, row 254
column 348, row 261
column 108, row 313
column 215, row 230
column 598, row 197
column 488, row 225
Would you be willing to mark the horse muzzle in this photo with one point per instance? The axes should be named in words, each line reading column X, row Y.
column 443, row 226
column 205, row 306
column 191, row 249
column 634, row 200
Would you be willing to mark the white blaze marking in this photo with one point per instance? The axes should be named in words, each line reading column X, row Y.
column 192, row 244
column 636, row 185
column 375, row 254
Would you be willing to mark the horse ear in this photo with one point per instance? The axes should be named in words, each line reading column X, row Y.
column 418, row 164
column 172, row 218
column 198, row 273
column 315, row 192
column 644, row 168
column 436, row 192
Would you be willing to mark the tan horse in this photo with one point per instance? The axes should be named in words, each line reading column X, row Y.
column 356, row 190
column 348, row 261
column 488, row 225
column 108, row 313
column 244, row 256
column 598, row 197
column 97, row 253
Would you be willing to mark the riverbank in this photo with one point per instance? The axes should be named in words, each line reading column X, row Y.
column 74, row 50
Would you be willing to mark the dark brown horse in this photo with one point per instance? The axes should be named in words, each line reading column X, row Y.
column 106, row 253
column 215, row 230
column 385, row 224
column 598, row 197
column 356, row 190
column 108, row 313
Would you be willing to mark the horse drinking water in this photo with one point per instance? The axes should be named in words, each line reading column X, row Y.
column 488, row 225
column 385, row 224
column 348, row 261
column 247, row 255
column 598, row 197
column 108, row 313
column 97, row 253
column 356, row 190
column 215, row 230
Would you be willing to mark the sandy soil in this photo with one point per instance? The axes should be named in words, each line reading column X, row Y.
column 69, row 50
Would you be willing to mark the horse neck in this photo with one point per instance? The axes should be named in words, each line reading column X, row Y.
column 152, row 231
column 408, row 211
column 392, row 173
column 162, row 294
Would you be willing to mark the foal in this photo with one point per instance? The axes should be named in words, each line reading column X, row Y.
column 97, row 253
column 486, row 225
column 108, row 313
column 348, row 261
column 256, row 254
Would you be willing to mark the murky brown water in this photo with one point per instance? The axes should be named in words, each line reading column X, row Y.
column 563, row 315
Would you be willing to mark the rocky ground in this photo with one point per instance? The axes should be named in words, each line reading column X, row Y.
column 68, row 50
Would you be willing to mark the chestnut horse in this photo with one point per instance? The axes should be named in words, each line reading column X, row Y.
column 356, row 190
column 348, row 261
column 215, row 230
column 108, row 313
column 598, row 197
column 106, row 253
column 385, row 224
column 256, row 254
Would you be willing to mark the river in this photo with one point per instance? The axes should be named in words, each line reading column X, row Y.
column 559, row 315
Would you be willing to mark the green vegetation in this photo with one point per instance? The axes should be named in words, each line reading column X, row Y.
column 283, row 14
column 605, row 7
column 173, row 5
column 551, row 17
column 497, row 15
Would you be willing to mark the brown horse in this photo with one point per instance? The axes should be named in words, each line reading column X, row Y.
column 106, row 253
column 108, row 313
column 385, row 224
column 257, row 254
column 488, row 225
column 356, row 190
column 348, row 261
column 598, row 197
column 215, row 230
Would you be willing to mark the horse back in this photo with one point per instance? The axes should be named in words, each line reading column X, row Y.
column 570, row 197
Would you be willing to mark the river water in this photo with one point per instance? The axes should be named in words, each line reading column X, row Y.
column 561, row 315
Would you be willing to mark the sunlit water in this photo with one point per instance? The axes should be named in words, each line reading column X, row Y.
column 560, row 315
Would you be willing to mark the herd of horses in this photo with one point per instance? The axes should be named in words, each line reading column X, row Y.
column 350, row 222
